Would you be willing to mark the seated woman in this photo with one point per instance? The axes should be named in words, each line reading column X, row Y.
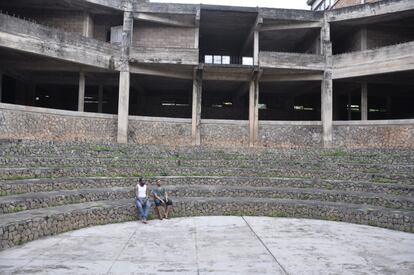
column 141, row 200
column 161, row 198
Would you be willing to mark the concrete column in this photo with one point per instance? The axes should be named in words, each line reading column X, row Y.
column 196, row 108
column 327, row 86
column 364, row 101
column 87, row 29
column 100, row 98
column 253, row 111
column 364, row 39
column 123, row 107
column 256, row 48
column 124, row 77
column 349, row 103
column 81, row 93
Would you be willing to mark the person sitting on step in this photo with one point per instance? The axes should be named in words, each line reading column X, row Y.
column 141, row 200
column 161, row 198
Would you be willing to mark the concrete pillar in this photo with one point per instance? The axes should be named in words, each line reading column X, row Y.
column 327, row 86
column 196, row 108
column 124, row 77
column 364, row 101
column 87, row 29
column 253, row 111
column 100, row 98
column 256, row 48
column 81, row 93
column 349, row 103
column 123, row 107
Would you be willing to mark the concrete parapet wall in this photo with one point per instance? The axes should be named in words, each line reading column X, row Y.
column 291, row 60
column 376, row 61
column 164, row 55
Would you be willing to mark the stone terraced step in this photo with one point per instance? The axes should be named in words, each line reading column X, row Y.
column 16, row 203
column 68, row 149
column 56, row 172
column 216, row 163
column 20, row 227
column 22, row 202
column 13, row 187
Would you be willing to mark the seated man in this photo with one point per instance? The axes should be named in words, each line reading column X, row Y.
column 141, row 200
column 161, row 198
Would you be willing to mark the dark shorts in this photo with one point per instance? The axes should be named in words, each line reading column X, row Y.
column 159, row 203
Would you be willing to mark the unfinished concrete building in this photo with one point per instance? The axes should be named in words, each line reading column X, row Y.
column 178, row 74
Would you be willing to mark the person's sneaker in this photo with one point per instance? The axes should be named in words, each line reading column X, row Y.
column 144, row 221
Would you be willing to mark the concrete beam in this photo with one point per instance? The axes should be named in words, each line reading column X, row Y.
column 268, row 77
column 251, row 36
column 162, row 20
column 294, row 26
column 196, row 107
column 377, row 61
column 81, row 92
column 291, row 14
column 370, row 10
column 163, row 72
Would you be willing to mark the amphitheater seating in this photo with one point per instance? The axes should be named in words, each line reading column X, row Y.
column 52, row 187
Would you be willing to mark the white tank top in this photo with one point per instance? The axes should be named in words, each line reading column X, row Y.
column 142, row 191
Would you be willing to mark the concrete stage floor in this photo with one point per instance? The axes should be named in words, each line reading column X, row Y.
column 217, row 245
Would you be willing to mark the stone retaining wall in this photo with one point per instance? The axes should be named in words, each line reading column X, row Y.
column 22, row 122
column 374, row 134
column 31, row 227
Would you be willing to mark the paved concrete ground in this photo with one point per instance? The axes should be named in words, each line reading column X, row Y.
column 217, row 245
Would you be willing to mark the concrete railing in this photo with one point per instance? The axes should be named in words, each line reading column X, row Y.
column 164, row 55
column 376, row 61
column 27, row 36
column 291, row 61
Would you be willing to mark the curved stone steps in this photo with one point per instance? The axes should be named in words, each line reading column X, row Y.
column 20, row 227
column 57, row 172
column 16, row 203
column 67, row 149
column 22, row 202
column 13, row 187
column 211, row 163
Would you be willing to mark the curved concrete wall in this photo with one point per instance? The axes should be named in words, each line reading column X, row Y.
column 22, row 122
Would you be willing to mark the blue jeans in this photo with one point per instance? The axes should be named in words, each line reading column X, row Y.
column 143, row 205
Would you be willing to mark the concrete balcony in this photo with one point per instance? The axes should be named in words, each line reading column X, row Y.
column 291, row 61
column 174, row 56
column 377, row 61
column 29, row 37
